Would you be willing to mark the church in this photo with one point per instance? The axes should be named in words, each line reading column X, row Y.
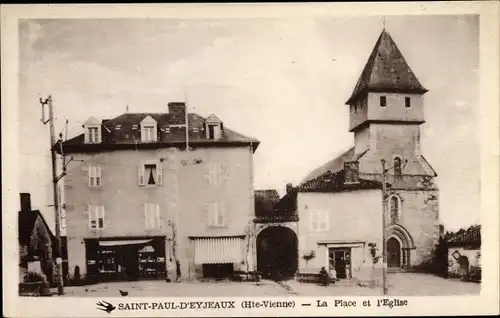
column 340, row 204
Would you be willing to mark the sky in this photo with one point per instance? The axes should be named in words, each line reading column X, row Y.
column 282, row 81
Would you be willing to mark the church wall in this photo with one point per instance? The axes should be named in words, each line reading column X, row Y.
column 361, row 140
column 420, row 216
column 395, row 108
column 358, row 113
column 354, row 220
column 388, row 141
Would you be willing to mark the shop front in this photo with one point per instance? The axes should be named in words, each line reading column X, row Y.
column 118, row 259
column 218, row 257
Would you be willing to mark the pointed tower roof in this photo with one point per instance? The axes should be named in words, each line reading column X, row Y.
column 386, row 70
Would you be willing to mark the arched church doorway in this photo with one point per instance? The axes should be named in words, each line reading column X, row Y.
column 277, row 254
column 393, row 253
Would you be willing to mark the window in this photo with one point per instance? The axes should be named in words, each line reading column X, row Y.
column 95, row 177
column 397, row 166
column 394, row 208
column 148, row 133
column 93, row 135
column 149, row 129
column 217, row 214
column 150, row 173
column 96, row 216
column 215, row 174
column 383, row 101
column 152, row 216
column 319, row 220
column 407, row 102
column 211, row 131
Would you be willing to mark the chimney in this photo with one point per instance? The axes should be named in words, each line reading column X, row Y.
column 177, row 108
column 289, row 188
column 441, row 230
column 25, row 202
column 351, row 172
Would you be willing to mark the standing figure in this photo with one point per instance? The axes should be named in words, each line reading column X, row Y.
column 178, row 269
column 324, row 277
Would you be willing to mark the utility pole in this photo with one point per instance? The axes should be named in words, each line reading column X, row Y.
column 186, row 120
column 384, row 220
column 55, row 179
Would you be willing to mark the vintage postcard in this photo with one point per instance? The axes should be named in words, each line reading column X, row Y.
column 250, row 159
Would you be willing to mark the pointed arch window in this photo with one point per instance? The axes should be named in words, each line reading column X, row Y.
column 394, row 208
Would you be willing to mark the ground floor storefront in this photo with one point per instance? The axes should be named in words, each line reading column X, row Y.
column 218, row 257
column 107, row 259
column 116, row 259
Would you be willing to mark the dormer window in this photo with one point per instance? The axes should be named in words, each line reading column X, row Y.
column 92, row 131
column 93, row 135
column 148, row 130
column 213, row 128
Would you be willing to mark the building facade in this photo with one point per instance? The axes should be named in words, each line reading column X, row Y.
column 276, row 234
column 464, row 254
column 149, row 198
column 340, row 203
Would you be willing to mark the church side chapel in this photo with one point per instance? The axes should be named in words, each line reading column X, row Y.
column 340, row 203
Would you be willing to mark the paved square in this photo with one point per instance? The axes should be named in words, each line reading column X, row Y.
column 401, row 284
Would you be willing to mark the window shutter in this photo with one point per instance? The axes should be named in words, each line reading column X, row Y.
column 224, row 173
column 159, row 173
column 157, row 214
column 141, row 173
column 89, row 175
column 211, row 213
column 102, row 216
column 225, row 213
column 97, row 176
column 207, row 174
column 146, row 223
column 314, row 220
column 324, row 220
column 88, row 211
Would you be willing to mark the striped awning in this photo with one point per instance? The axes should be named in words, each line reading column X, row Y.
column 218, row 250
column 123, row 242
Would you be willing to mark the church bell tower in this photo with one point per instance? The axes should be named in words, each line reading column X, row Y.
column 387, row 109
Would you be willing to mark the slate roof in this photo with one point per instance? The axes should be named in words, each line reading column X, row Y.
column 265, row 201
column 469, row 237
column 26, row 225
column 386, row 70
column 287, row 206
column 335, row 164
column 124, row 132
column 278, row 210
column 335, row 182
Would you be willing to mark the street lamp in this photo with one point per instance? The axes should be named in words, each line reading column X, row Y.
column 384, row 221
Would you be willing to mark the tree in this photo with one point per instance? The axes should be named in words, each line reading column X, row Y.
column 174, row 244
column 249, row 237
column 174, row 238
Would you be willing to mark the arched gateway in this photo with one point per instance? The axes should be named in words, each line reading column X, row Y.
column 277, row 252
